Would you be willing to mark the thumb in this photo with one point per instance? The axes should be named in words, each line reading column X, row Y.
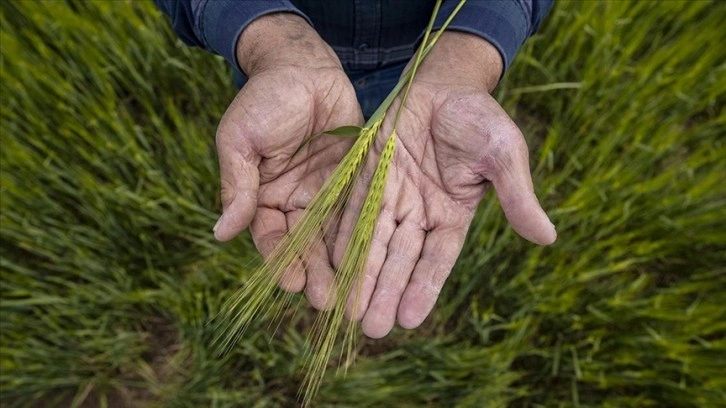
column 240, row 183
column 513, row 185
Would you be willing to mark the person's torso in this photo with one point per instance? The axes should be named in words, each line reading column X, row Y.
column 369, row 34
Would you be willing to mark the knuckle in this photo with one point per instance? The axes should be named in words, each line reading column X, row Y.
column 401, row 257
column 390, row 288
column 227, row 193
column 438, row 272
column 505, row 147
column 439, row 279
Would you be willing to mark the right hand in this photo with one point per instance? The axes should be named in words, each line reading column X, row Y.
column 296, row 88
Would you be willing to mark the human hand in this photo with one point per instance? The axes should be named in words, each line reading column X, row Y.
column 454, row 140
column 296, row 88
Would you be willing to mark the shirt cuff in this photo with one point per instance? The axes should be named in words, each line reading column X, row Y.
column 501, row 22
column 221, row 22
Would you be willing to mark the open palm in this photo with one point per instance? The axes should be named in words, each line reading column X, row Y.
column 269, row 174
column 453, row 142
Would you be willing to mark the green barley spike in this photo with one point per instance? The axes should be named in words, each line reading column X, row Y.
column 327, row 325
column 260, row 298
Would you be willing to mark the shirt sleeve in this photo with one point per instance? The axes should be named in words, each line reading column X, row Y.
column 215, row 25
column 506, row 24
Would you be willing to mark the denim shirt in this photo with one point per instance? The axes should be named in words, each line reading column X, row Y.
column 372, row 38
column 366, row 34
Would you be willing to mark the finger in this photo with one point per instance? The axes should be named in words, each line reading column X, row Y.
column 268, row 228
column 440, row 250
column 318, row 276
column 347, row 222
column 240, row 183
column 513, row 185
column 363, row 288
column 342, row 234
column 357, row 197
column 404, row 250
column 319, row 289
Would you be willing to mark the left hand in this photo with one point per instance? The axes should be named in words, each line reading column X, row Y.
column 454, row 140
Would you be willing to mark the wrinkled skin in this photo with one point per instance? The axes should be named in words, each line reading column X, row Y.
column 264, row 183
column 454, row 142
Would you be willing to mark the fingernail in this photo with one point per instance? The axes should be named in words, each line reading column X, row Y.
column 214, row 229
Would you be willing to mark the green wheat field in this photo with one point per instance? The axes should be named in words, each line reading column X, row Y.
column 109, row 192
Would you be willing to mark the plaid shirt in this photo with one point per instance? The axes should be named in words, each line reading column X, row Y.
column 366, row 34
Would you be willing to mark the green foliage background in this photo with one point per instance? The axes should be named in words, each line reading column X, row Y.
column 109, row 193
